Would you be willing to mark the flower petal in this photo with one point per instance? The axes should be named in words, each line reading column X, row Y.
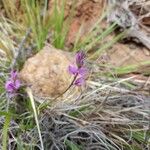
column 82, row 71
column 13, row 74
column 13, row 83
column 9, row 86
column 80, row 56
column 17, row 84
column 73, row 69
column 79, row 81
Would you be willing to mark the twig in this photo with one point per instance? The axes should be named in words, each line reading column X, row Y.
column 67, row 88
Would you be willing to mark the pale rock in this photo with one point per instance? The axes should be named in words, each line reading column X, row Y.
column 47, row 72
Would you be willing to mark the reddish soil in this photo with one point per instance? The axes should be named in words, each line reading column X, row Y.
column 87, row 12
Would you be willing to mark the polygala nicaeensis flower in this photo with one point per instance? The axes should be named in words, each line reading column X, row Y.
column 79, row 70
column 13, row 83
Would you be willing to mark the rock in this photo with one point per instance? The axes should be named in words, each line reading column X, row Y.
column 46, row 72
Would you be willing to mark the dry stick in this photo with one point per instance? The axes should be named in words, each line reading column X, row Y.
column 20, row 49
column 145, row 39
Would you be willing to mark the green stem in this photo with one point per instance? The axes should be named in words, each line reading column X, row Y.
column 67, row 88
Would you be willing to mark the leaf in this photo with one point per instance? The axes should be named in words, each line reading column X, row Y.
column 71, row 146
column 5, row 132
column 29, row 92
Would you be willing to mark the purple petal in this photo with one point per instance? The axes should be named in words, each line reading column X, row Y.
column 73, row 69
column 80, row 56
column 9, row 86
column 13, row 74
column 79, row 81
column 13, row 83
column 82, row 71
column 17, row 84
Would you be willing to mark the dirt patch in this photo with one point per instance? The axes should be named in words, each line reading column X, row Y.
column 87, row 13
column 123, row 55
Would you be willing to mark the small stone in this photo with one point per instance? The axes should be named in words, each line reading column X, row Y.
column 47, row 72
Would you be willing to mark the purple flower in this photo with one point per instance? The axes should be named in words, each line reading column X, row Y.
column 13, row 83
column 80, row 57
column 73, row 69
column 83, row 71
column 79, row 82
column 79, row 70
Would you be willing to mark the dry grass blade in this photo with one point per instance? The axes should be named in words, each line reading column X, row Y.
column 29, row 91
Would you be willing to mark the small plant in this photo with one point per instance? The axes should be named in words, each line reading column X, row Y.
column 112, row 113
column 12, row 84
column 59, row 30
column 78, row 70
column 38, row 22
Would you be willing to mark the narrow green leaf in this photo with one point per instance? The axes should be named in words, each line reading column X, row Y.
column 29, row 92
column 71, row 145
column 5, row 132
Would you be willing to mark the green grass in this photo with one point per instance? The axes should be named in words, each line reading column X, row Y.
column 5, row 132
column 131, row 68
column 93, row 36
column 71, row 146
column 39, row 24
column 58, row 19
